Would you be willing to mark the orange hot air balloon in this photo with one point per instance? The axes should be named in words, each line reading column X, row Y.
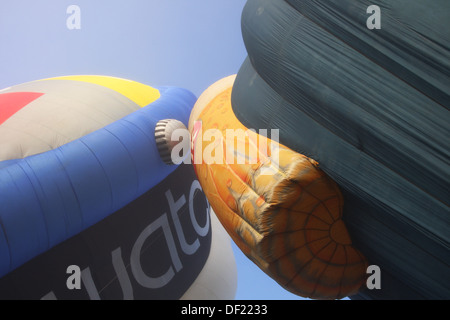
column 278, row 206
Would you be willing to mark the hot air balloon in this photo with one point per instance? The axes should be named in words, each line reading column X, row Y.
column 278, row 206
column 89, row 210
column 371, row 106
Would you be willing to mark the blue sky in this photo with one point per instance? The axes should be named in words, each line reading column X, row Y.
column 190, row 44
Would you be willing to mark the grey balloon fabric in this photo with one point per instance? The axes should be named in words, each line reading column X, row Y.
column 371, row 106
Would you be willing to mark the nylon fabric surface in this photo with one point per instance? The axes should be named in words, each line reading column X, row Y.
column 371, row 106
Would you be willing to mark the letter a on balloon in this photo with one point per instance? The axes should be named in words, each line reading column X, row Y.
column 74, row 280
column 374, row 21
column 374, row 280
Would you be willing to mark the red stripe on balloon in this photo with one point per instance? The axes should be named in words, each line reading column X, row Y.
column 11, row 102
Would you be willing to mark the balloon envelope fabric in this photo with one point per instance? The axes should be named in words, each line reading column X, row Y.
column 281, row 210
column 372, row 107
column 77, row 150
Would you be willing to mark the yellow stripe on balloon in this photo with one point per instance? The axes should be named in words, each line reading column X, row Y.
column 139, row 93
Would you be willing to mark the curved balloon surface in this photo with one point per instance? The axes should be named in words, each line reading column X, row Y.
column 282, row 211
column 372, row 107
column 218, row 278
column 83, row 186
